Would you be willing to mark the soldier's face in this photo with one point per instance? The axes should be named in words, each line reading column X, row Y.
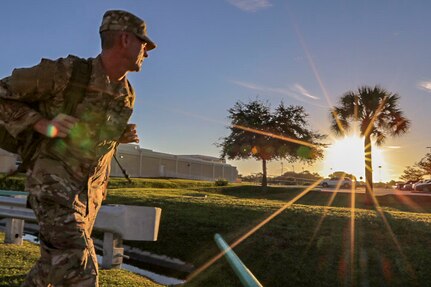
column 137, row 53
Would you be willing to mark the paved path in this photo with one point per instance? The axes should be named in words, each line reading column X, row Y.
column 380, row 191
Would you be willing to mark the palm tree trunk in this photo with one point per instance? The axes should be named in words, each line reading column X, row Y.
column 368, row 171
column 264, row 179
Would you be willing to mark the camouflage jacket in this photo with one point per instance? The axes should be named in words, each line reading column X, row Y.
column 73, row 170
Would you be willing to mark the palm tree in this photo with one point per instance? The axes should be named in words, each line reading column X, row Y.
column 376, row 112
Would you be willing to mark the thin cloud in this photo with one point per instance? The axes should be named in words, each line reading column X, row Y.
column 425, row 86
column 302, row 91
column 250, row 5
column 297, row 92
column 249, row 86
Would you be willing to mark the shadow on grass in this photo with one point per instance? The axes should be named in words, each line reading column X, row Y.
column 401, row 202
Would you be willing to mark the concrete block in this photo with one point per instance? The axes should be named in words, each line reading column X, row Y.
column 113, row 251
column 130, row 222
column 14, row 231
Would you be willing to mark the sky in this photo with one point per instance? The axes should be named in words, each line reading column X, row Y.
column 214, row 53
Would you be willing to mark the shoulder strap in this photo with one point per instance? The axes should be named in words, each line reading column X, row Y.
column 75, row 90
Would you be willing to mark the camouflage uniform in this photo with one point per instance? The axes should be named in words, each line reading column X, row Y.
column 69, row 177
column 68, row 180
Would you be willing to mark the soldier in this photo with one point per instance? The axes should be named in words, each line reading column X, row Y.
column 68, row 178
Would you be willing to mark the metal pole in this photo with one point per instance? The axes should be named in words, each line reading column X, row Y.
column 380, row 173
column 244, row 274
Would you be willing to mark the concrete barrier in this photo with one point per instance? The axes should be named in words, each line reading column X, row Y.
column 118, row 222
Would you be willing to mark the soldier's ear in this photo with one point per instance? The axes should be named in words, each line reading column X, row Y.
column 125, row 39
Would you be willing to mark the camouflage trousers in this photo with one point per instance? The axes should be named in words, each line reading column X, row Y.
column 67, row 257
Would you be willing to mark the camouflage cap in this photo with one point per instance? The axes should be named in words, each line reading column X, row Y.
column 118, row 20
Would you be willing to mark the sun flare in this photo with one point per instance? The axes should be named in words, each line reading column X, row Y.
column 347, row 154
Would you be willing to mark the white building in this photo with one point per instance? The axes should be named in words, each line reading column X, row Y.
column 140, row 162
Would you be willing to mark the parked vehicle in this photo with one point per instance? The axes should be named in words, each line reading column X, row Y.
column 408, row 185
column 424, row 186
column 399, row 185
column 333, row 182
column 416, row 183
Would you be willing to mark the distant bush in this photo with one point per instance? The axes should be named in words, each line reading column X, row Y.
column 221, row 182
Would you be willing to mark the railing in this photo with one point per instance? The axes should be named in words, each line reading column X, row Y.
column 118, row 222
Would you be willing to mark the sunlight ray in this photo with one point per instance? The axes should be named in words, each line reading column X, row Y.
column 380, row 212
column 352, row 230
column 405, row 199
column 314, row 69
column 322, row 218
column 375, row 115
column 251, row 231
column 355, row 109
column 339, row 124
column 276, row 136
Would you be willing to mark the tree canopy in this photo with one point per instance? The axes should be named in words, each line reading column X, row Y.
column 412, row 173
column 374, row 109
column 256, row 132
column 418, row 170
column 425, row 164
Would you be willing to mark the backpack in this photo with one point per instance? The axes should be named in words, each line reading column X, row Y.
column 27, row 145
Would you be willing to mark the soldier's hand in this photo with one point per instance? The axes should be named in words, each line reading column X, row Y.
column 59, row 127
column 129, row 135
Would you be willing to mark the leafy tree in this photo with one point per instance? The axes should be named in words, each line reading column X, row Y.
column 412, row 173
column 256, row 132
column 425, row 164
column 304, row 175
column 376, row 112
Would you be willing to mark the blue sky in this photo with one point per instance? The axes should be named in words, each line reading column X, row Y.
column 213, row 53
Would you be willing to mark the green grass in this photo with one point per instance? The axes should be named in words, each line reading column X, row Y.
column 16, row 261
column 308, row 244
column 17, row 182
column 282, row 253
column 120, row 182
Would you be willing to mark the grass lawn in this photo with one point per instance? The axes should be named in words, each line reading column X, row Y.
column 16, row 261
column 307, row 244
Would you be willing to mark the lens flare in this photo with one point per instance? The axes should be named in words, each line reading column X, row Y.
column 347, row 154
column 304, row 143
column 382, row 215
column 51, row 131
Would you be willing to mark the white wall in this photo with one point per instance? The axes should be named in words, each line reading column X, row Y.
column 147, row 163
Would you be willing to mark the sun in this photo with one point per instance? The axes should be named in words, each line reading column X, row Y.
column 347, row 154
